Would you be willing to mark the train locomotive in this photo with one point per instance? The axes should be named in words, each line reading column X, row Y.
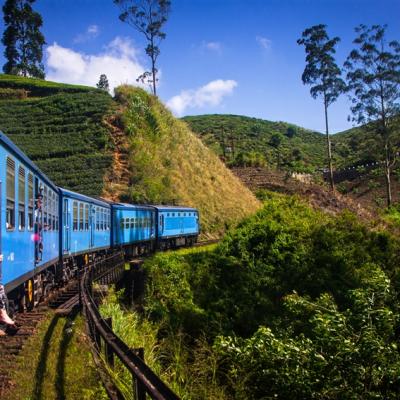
column 47, row 233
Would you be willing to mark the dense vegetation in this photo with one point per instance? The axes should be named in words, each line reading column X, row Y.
column 245, row 141
column 292, row 304
column 170, row 165
column 62, row 132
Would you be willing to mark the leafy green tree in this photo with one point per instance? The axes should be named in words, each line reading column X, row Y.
column 103, row 83
column 276, row 141
column 322, row 73
column 22, row 39
column 291, row 131
column 148, row 18
column 373, row 74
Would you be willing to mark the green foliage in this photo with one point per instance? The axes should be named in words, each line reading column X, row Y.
column 148, row 18
column 22, row 39
column 103, row 83
column 252, row 136
column 350, row 354
column 298, row 304
column 39, row 87
column 321, row 69
column 191, row 374
column 62, row 133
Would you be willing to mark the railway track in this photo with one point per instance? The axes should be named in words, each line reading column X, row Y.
column 12, row 345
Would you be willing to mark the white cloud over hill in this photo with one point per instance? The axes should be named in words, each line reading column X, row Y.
column 118, row 61
column 210, row 94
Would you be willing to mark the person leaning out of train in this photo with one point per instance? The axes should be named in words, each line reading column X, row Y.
column 5, row 320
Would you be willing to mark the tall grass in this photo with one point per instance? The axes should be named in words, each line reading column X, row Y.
column 188, row 369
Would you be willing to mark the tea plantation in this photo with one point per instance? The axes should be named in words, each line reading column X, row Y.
column 60, row 129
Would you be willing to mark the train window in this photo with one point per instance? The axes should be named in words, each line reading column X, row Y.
column 132, row 225
column 75, row 215
column 108, row 219
column 103, row 215
column 56, row 211
column 97, row 219
column 21, row 199
column 81, row 223
column 50, row 209
column 31, row 201
column 10, row 194
column 45, row 208
column 173, row 214
column 86, row 217
column 167, row 214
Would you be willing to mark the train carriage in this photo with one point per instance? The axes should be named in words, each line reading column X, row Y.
column 176, row 226
column 29, row 233
column 134, row 227
column 86, row 228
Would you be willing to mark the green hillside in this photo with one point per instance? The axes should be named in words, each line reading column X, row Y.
column 252, row 142
column 129, row 148
column 169, row 164
column 359, row 145
column 60, row 128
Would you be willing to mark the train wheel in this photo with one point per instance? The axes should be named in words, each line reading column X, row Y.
column 29, row 295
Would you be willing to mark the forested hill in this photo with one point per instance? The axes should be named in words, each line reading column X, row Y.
column 127, row 148
column 256, row 142
column 245, row 141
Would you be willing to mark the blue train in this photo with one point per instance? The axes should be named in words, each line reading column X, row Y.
column 48, row 233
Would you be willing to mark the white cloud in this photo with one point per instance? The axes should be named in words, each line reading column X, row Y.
column 118, row 61
column 212, row 46
column 91, row 32
column 210, row 94
column 264, row 42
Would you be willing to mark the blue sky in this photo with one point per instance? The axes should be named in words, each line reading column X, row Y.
column 220, row 56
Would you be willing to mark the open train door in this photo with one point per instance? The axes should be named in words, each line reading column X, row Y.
column 66, row 227
column 92, row 221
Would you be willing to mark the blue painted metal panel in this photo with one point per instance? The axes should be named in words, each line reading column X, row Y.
column 88, row 227
column 20, row 241
column 132, row 224
column 177, row 221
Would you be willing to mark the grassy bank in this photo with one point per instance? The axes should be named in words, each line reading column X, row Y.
column 56, row 363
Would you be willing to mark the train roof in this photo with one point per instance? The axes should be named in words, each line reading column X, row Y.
column 132, row 206
column 17, row 152
column 83, row 197
column 162, row 207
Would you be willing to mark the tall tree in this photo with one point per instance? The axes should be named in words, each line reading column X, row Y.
column 147, row 17
column 373, row 74
column 22, row 39
column 322, row 73
column 103, row 83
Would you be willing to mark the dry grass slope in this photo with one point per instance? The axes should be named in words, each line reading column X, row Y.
column 169, row 164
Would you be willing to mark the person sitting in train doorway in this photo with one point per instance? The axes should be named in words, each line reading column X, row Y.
column 5, row 320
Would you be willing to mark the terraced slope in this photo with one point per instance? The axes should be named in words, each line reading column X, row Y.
column 62, row 131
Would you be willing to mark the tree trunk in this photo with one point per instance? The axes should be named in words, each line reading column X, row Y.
column 153, row 71
column 387, row 175
column 328, row 143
